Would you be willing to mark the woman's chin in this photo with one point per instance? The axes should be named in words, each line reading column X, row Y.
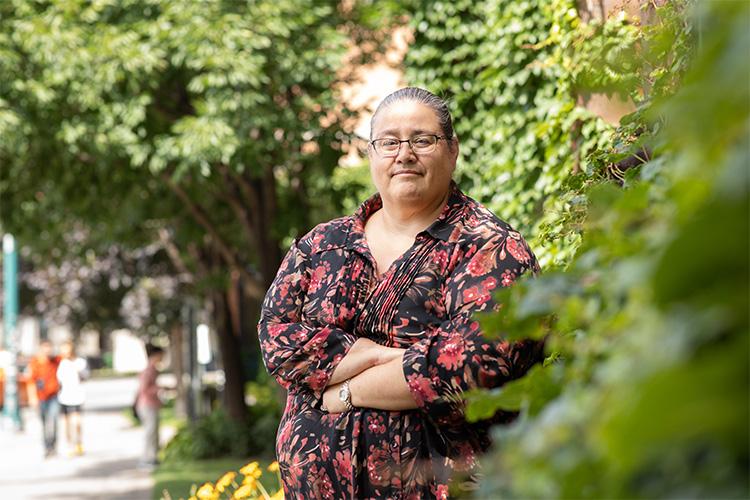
column 405, row 191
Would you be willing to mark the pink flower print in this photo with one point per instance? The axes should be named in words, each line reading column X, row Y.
column 477, row 294
column 315, row 243
column 317, row 276
column 517, row 250
column 375, row 424
column 317, row 380
column 489, row 284
column 471, row 294
column 322, row 484
column 441, row 492
column 343, row 464
column 508, row 278
column 452, row 355
column 325, row 449
column 440, row 258
column 379, row 467
column 421, row 388
column 481, row 263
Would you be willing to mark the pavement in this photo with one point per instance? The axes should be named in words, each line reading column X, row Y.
column 108, row 468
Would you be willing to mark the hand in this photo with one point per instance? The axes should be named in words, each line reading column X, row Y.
column 331, row 401
column 388, row 354
column 363, row 354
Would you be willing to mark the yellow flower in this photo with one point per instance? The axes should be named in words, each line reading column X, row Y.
column 250, row 468
column 279, row 495
column 244, row 491
column 274, row 467
column 250, row 481
column 252, row 472
column 225, row 481
column 206, row 492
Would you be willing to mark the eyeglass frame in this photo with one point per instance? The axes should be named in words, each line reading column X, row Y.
column 395, row 153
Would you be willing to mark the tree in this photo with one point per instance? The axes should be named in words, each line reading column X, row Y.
column 208, row 124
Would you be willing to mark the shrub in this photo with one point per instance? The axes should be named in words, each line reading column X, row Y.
column 216, row 435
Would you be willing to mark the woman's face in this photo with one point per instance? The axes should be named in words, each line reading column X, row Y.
column 408, row 178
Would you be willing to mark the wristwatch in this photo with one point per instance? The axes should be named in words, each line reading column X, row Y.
column 345, row 395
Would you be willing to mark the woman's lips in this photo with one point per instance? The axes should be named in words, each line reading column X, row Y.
column 406, row 172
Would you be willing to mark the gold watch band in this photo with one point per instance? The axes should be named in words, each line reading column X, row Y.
column 345, row 395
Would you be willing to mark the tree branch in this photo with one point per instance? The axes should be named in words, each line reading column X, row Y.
column 174, row 255
column 251, row 195
column 253, row 285
column 235, row 201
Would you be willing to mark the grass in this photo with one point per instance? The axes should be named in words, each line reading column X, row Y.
column 177, row 478
column 106, row 373
column 167, row 416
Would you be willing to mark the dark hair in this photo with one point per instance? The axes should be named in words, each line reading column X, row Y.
column 152, row 349
column 421, row 96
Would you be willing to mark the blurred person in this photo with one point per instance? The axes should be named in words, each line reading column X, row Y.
column 6, row 358
column 42, row 389
column 369, row 323
column 71, row 372
column 148, row 405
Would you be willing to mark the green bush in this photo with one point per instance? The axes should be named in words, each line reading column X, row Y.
column 216, row 435
column 645, row 390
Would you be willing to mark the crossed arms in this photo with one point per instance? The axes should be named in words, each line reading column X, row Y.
column 431, row 374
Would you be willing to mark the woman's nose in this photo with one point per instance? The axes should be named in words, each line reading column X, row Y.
column 405, row 153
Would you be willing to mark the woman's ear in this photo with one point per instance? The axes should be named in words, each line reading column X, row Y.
column 454, row 150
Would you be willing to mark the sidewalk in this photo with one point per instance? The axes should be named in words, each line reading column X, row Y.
column 106, row 470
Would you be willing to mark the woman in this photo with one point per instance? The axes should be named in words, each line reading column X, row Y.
column 369, row 326
column 71, row 373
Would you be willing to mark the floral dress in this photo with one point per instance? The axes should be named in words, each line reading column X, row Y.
column 327, row 294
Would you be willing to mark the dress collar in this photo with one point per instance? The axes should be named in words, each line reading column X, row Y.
column 441, row 229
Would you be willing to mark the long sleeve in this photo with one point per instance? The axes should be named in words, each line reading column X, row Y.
column 294, row 352
column 455, row 356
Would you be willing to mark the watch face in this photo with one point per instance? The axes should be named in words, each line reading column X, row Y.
column 343, row 393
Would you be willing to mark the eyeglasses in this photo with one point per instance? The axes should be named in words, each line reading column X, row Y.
column 419, row 144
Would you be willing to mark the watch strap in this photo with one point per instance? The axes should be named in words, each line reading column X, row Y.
column 345, row 395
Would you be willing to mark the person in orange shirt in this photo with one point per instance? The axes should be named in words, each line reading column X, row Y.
column 43, row 388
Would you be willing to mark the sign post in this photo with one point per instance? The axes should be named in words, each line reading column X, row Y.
column 10, row 319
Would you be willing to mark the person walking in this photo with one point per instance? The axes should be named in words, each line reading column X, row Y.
column 42, row 390
column 70, row 374
column 148, row 405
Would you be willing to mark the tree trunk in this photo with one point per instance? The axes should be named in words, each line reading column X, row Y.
column 177, row 355
column 270, row 250
column 230, row 349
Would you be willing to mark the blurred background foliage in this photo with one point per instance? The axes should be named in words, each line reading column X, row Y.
column 173, row 149
column 511, row 71
column 205, row 128
column 645, row 390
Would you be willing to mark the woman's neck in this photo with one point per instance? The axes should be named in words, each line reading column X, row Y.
column 406, row 220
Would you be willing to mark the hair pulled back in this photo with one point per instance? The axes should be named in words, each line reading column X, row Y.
column 421, row 96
